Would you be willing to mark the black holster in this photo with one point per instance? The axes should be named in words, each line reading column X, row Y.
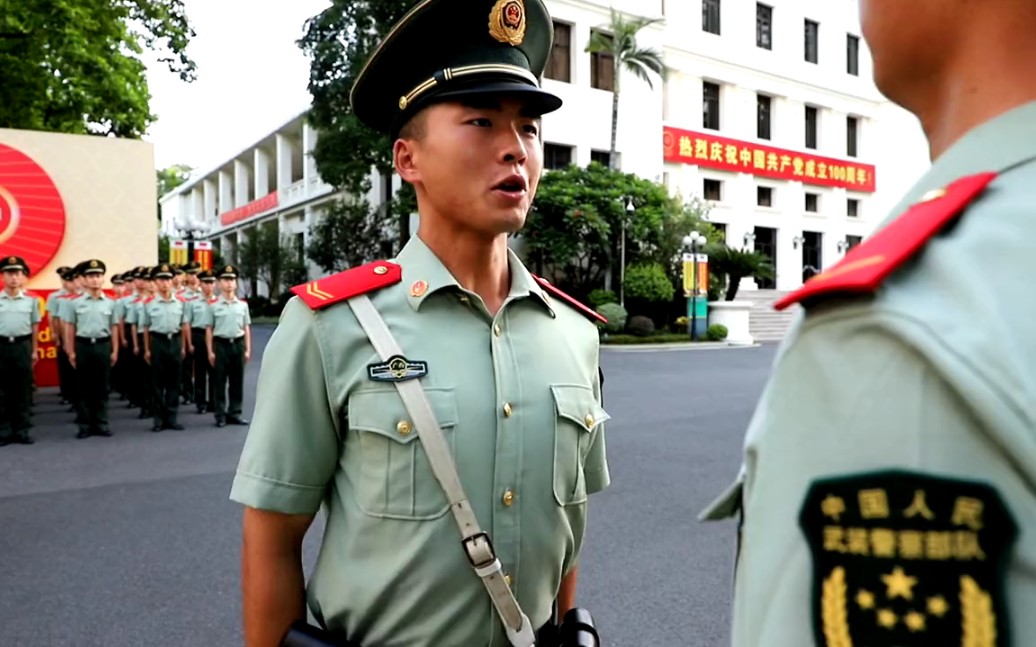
column 302, row 634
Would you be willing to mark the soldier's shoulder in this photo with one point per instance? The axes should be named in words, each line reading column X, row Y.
column 585, row 310
column 353, row 282
column 868, row 266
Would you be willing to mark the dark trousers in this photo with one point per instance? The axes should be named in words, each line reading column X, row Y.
column 93, row 368
column 66, row 377
column 187, row 377
column 15, row 387
column 230, row 367
column 145, row 381
column 126, row 385
column 165, row 371
column 202, row 369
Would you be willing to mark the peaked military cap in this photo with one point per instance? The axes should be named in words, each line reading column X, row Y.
column 449, row 49
column 14, row 263
column 117, row 279
column 205, row 276
column 64, row 272
column 192, row 268
column 93, row 266
column 163, row 271
column 228, row 272
column 178, row 270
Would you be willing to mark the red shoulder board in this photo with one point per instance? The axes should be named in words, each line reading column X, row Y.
column 864, row 268
column 137, row 300
column 350, row 283
column 181, row 299
column 149, row 299
column 588, row 312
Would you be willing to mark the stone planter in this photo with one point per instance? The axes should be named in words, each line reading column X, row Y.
column 735, row 316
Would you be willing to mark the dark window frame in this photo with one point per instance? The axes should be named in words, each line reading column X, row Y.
column 812, row 124
column 763, row 26
column 710, row 183
column 710, row 117
column 553, row 154
column 764, row 116
column 559, row 63
column 711, row 14
column 852, row 54
column 812, row 41
column 602, row 70
column 764, row 196
column 852, row 208
column 815, row 199
column 852, row 136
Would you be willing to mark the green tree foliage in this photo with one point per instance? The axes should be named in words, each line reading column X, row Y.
column 168, row 179
column 350, row 233
column 649, row 282
column 163, row 249
column 264, row 255
column 736, row 264
column 75, row 66
column 618, row 39
column 338, row 42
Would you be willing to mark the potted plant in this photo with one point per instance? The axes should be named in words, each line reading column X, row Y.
column 734, row 265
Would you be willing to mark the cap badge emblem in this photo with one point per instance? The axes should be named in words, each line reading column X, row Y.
column 93, row 263
column 507, row 22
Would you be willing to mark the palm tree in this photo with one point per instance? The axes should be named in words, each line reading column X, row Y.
column 737, row 264
column 619, row 40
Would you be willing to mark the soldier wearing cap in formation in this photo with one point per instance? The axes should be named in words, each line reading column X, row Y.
column 65, row 305
column 119, row 378
column 125, row 364
column 147, row 397
column 54, row 323
column 197, row 309
column 228, row 339
column 19, row 328
column 165, row 333
column 511, row 373
column 178, row 275
column 93, row 334
column 190, row 292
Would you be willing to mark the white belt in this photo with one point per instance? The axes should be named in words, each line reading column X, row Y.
column 476, row 543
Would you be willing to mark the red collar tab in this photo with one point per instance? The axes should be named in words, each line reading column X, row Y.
column 350, row 283
column 868, row 265
column 588, row 312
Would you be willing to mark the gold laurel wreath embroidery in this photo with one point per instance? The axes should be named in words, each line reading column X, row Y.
column 834, row 612
column 976, row 607
column 501, row 32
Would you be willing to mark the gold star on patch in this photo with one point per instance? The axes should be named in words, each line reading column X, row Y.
column 914, row 621
column 865, row 599
column 887, row 618
column 899, row 584
column 938, row 606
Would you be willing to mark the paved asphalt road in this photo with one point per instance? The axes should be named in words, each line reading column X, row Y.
column 131, row 541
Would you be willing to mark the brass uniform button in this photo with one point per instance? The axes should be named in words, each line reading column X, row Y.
column 497, row 330
column 381, row 269
column 507, row 409
column 589, row 420
column 507, row 579
column 508, row 498
column 934, row 194
column 404, row 428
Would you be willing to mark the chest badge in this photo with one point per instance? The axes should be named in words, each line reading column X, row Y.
column 397, row 369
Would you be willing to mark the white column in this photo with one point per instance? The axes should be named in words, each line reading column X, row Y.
column 209, row 198
column 284, row 149
column 226, row 192
column 197, row 212
column 309, row 142
column 240, row 183
column 262, row 173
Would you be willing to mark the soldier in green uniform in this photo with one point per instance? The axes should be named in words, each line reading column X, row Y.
column 189, row 293
column 118, row 378
column 197, row 310
column 92, row 334
column 54, row 324
column 509, row 367
column 888, row 488
column 228, row 339
column 65, row 305
column 19, row 328
column 165, row 333
column 125, row 365
column 146, row 396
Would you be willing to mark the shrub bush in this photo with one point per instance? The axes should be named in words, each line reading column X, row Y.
column 716, row 332
column 600, row 297
column 680, row 325
column 649, row 282
column 641, row 326
column 616, row 316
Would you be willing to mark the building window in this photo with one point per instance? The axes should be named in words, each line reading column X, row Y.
column 713, row 190
column 763, row 26
column 721, row 230
column 811, row 127
column 852, row 54
column 852, row 208
column 853, row 241
column 602, row 70
column 812, row 41
column 710, row 105
column 852, row 125
column 710, row 16
column 559, row 65
column 601, row 157
column 764, row 196
column 763, row 104
column 812, row 202
column 556, row 156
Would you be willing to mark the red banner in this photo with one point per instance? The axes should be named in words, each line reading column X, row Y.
column 253, row 208
column 712, row 151
column 203, row 254
column 46, row 371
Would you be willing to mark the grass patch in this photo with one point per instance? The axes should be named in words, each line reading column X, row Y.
column 659, row 338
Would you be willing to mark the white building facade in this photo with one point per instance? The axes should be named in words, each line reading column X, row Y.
column 787, row 79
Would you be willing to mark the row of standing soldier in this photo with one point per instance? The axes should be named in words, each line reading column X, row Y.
column 161, row 338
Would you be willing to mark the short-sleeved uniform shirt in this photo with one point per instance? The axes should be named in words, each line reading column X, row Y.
column 228, row 318
column 164, row 315
column 518, row 398
column 52, row 303
column 92, row 316
column 18, row 314
column 934, row 375
column 197, row 311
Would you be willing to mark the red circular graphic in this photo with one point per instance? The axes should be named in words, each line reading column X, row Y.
column 32, row 213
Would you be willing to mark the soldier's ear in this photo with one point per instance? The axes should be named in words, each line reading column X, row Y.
column 404, row 159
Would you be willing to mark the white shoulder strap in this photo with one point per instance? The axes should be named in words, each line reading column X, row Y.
column 475, row 541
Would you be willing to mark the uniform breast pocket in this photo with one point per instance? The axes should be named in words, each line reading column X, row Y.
column 579, row 416
column 385, row 460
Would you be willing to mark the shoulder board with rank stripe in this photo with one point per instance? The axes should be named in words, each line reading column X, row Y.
column 149, row 299
column 350, row 283
column 866, row 267
column 585, row 310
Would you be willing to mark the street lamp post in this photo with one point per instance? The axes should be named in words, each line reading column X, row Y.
column 694, row 240
column 191, row 231
column 622, row 254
